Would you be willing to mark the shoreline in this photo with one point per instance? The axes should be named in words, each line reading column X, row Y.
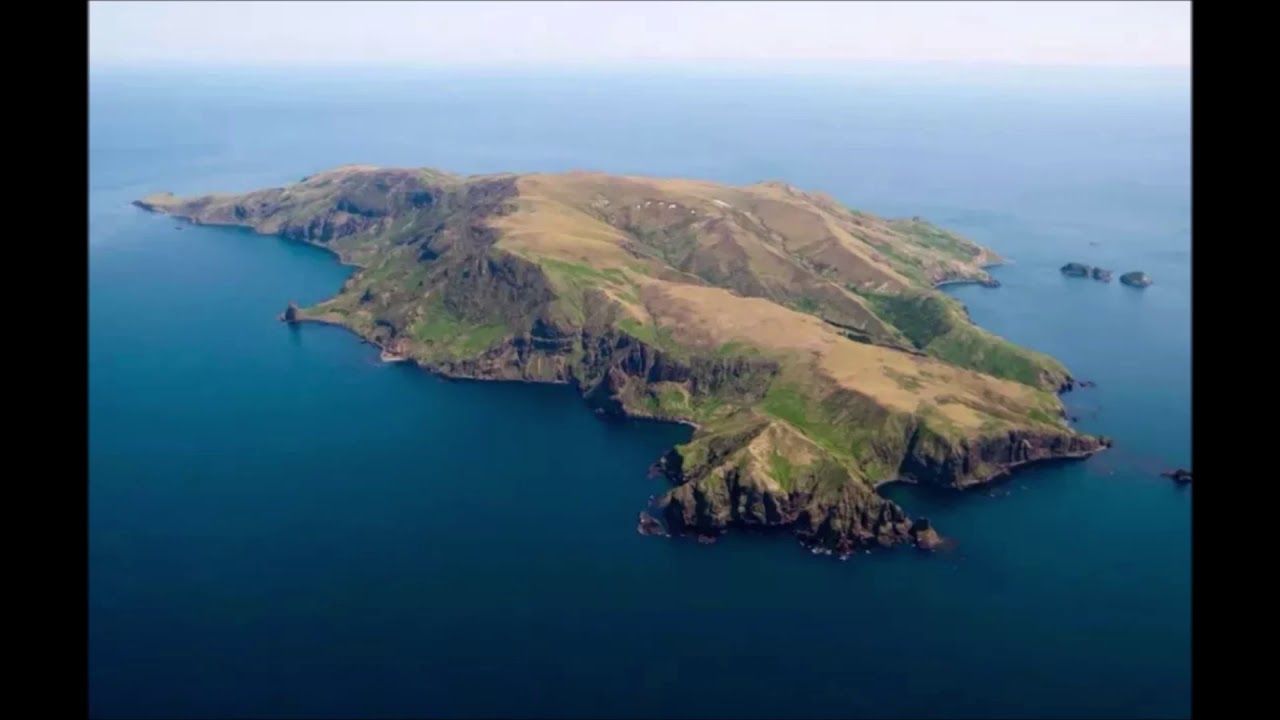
column 970, row 281
column 1003, row 473
column 389, row 357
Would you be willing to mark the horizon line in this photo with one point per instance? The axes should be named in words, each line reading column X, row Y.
column 816, row 66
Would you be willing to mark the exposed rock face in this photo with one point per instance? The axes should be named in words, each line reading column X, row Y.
column 290, row 314
column 649, row 525
column 933, row 460
column 926, row 538
column 1180, row 476
column 823, row 508
column 1137, row 279
column 826, row 508
column 1075, row 269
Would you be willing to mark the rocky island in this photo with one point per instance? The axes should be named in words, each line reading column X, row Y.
column 1075, row 269
column 1137, row 279
column 804, row 341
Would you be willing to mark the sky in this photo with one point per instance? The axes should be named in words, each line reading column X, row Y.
column 1127, row 34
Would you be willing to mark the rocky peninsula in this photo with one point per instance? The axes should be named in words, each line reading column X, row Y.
column 804, row 340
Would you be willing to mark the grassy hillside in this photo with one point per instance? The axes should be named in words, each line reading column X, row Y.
column 803, row 337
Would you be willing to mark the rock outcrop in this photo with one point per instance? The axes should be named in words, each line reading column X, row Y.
column 1137, row 279
column 1075, row 269
column 721, row 483
column 1180, row 476
column 934, row 460
column 649, row 525
column 925, row 536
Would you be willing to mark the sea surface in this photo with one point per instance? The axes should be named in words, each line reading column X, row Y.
column 282, row 526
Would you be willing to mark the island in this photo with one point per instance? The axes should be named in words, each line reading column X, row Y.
column 1137, row 279
column 805, row 342
column 1075, row 269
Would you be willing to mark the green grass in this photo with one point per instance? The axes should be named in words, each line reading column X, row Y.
column 583, row 274
column 858, row 432
column 934, row 237
column 801, row 412
column 668, row 400
column 640, row 331
column 935, row 324
column 573, row 280
column 786, row 404
column 780, row 468
column 652, row 335
column 974, row 349
column 1041, row 416
column 909, row 266
column 921, row 318
column 737, row 349
column 443, row 332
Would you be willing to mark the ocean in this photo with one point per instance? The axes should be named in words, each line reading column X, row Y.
column 280, row 525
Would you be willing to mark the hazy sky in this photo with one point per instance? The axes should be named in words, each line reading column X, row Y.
column 585, row 33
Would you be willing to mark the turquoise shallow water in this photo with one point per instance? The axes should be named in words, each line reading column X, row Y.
column 282, row 526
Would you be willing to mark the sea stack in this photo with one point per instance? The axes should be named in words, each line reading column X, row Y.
column 926, row 537
column 290, row 314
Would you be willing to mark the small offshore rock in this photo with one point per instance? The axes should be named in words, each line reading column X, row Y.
column 290, row 314
column 1180, row 476
column 1137, row 279
column 1100, row 274
column 650, row 526
column 1075, row 269
column 926, row 537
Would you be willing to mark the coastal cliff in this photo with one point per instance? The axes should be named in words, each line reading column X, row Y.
column 803, row 340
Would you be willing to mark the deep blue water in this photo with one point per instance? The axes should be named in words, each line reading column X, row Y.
column 282, row 526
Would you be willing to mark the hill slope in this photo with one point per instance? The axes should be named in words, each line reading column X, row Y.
column 803, row 338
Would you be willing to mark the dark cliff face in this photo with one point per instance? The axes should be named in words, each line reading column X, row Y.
column 614, row 362
column 823, row 505
column 936, row 461
column 842, row 520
